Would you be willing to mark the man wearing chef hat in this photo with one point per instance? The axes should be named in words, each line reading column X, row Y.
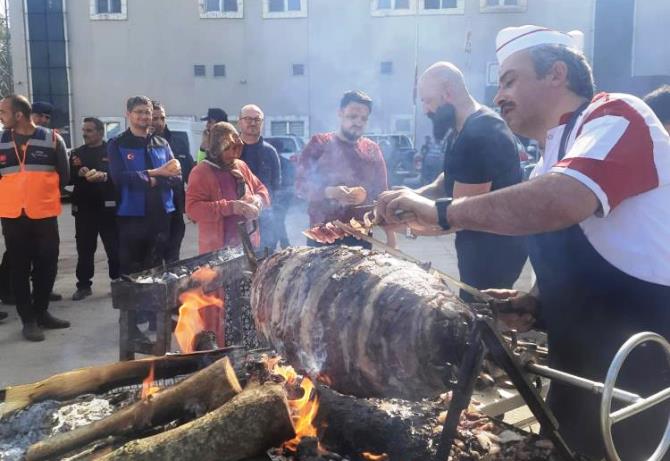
column 597, row 216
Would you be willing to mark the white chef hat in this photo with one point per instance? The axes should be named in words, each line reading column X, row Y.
column 513, row 39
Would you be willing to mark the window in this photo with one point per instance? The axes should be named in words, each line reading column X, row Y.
column 108, row 9
column 441, row 6
column 199, row 70
column 284, row 8
column 219, row 70
column 298, row 69
column 502, row 6
column 437, row 4
column 221, row 9
column 392, row 7
column 492, row 73
column 402, row 124
column 283, row 125
column 386, row 67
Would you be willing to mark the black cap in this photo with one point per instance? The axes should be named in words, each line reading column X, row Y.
column 216, row 114
column 41, row 107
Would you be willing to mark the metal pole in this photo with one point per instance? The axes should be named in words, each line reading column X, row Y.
column 593, row 386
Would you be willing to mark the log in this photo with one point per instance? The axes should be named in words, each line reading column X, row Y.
column 404, row 430
column 99, row 379
column 202, row 392
column 373, row 324
column 248, row 425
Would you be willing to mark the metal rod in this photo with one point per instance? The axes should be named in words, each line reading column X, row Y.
column 639, row 406
column 593, row 386
column 402, row 255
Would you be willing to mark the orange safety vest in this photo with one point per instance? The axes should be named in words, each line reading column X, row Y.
column 29, row 181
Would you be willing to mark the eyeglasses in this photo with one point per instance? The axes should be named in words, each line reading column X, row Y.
column 142, row 112
column 252, row 119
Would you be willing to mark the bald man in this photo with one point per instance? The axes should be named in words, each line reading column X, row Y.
column 263, row 161
column 480, row 155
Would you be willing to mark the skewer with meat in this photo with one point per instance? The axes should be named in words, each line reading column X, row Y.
column 374, row 324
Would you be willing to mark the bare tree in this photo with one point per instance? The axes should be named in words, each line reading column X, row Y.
column 6, row 77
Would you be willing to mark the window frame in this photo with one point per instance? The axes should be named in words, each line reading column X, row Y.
column 221, row 14
column 298, row 65
column 95, row 16
column 375, row 11
column 388, row 64
column 520, row 7
column 204, row 67
column 225, row 71
column 269, row 120
column 459, row 9
column 286, row 14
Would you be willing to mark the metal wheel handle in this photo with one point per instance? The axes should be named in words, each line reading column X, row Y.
column 607, row 419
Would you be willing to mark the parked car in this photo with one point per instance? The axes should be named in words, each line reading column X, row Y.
column 289, row 148
column 398, row 151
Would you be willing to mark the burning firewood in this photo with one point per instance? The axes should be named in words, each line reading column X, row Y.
column 375, row 325
column 201, row 392
column 65, row 386
column 248, row 425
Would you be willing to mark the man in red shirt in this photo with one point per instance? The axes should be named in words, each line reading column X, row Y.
column 340, row 170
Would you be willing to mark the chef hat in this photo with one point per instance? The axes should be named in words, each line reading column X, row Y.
column 513, row 39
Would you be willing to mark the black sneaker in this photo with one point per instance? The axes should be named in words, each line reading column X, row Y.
column 138, row 336
column 48, row 321
column 55, row 297
column 3, row 315
column 32, row 332
column 81, row 293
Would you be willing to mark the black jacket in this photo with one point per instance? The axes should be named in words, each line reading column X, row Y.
column 181, row 151
column 88, row 196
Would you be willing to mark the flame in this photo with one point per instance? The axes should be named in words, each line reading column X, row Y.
column 190, row 321
column 147, row 388
column 372, row 457
column 304, row 409
column 204, row 275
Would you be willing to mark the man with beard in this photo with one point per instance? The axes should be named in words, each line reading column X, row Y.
column 480, row 156
column 597, row 216
column 93, row 206
column 180, row 150
column 338, row 171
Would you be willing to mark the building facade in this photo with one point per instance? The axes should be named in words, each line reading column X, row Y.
column 294, row 58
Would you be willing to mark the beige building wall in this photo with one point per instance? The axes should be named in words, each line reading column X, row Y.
column 341, row 43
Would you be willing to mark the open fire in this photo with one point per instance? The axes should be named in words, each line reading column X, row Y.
column 198, row 311
column 148, row 387
column 303, row 409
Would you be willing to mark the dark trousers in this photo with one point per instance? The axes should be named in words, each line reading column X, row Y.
column 6, row 291
column 88, row 225
column 177, row 231
column 266, row 227
column 143, row 241
column 32, row 243
column 280, row 207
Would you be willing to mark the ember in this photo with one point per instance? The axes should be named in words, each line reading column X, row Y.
column 148, row 388
column 372, row 457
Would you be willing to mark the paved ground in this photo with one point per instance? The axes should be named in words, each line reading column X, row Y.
column 93, row 337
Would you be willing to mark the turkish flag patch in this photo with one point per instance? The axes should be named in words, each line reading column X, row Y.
column 130, row 156
column 3, row 158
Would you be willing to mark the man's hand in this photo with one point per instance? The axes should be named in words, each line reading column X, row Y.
column 168, row 169
column 83, row 171
column 346, row 195
column 248, row 210
column 524, row 307
column 407, row 207
column 95, row 176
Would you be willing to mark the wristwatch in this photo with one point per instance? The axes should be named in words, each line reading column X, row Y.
column 442, row 204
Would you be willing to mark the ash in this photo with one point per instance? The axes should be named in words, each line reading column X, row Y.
column 41, row 420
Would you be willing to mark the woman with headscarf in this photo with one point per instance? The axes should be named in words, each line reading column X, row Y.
column 222, row 192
